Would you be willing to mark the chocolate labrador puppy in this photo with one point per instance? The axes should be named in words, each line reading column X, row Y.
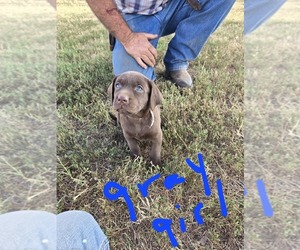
column 137, row 101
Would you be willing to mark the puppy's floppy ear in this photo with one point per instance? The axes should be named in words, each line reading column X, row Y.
column 111, row 89
column 155, row 95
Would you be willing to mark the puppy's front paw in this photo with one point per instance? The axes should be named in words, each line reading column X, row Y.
column 134, row 156
column 156, row 162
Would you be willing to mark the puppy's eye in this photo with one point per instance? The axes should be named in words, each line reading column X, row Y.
column 139, row 88
column 118, row 85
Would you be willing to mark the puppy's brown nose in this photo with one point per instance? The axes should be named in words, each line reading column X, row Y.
column 123, row 99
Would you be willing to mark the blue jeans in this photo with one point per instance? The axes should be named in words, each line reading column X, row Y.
column 258, row 11
column 39, row 230
column 191, row 27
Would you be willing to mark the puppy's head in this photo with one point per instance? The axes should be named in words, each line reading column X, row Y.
column 131, row 92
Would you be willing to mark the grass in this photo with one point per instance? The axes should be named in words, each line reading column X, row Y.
column 272, row 129
column 27, row 101
column 206, row 119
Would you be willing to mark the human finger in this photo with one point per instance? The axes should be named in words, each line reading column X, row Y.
column 153, row 51
column 141, row 62
column 148, row 59
column 150, row 36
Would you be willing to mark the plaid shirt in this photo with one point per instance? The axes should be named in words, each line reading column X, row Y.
column 143, row 7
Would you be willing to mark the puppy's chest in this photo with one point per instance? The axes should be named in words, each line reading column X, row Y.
column 140, row 129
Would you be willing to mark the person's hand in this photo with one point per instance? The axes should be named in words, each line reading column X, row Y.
column 139, row 47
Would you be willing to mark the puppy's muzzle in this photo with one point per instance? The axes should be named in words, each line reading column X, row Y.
column 123, row 100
